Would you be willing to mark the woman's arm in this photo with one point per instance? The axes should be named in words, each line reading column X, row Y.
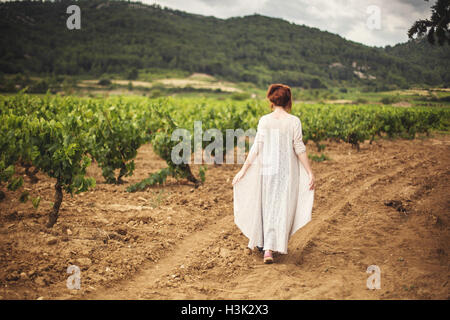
column 250, row 158
column 300, row 150
column 254, row 150
column 305, row 161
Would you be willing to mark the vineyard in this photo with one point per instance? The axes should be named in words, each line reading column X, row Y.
column 129, row 213
column 61, row 136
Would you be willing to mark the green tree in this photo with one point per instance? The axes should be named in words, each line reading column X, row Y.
column 133, row 74
column 435, row 27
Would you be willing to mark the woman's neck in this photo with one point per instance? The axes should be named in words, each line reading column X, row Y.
column 279, row 109
column 279, row 112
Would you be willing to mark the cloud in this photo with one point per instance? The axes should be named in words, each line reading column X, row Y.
column 348, row 18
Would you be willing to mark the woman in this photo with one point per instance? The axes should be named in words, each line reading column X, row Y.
column 274, row 190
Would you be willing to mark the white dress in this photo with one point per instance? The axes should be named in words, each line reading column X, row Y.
column 273, row 200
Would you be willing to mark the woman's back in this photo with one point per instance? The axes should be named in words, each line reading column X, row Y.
column 280, row 134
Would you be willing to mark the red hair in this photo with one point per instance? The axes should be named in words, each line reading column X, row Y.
column 280, row 95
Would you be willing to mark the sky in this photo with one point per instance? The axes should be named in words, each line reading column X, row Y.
column 371, row 22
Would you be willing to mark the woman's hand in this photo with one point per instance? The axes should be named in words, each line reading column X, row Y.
column 312, row 181
column 305, row 161
column 238, row 176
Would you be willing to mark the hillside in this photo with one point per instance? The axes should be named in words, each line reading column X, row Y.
column 119, row 37
column 435, row 58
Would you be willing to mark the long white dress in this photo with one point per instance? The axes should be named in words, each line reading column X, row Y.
column 273, row 200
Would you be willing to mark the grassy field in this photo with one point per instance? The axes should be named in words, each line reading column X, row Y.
column 157, row 83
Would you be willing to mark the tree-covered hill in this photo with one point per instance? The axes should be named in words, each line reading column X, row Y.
column 434, row 58
column 117, row 37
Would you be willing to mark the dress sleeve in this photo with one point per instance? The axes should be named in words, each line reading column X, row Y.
column 259, row 138
column 258, row 142
column 299, row 146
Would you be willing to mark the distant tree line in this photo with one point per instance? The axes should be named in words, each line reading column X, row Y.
column 118, row 37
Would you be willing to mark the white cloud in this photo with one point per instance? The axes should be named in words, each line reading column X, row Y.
column 344, row 17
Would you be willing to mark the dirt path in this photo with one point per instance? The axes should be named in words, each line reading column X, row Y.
column 182, row 243
column 140, row 286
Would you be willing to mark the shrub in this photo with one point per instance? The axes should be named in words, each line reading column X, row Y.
column 239, row 96
column 133, row 74
column 104, row 82
column 389, row 100
column 361, row 101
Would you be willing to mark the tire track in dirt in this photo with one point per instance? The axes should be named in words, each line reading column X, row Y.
column 321, row 222
column 408, row 245
column 139, row 287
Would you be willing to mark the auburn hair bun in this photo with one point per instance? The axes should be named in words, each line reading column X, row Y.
column 280, row 95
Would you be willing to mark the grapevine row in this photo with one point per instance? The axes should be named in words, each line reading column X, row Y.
column 60, row 136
